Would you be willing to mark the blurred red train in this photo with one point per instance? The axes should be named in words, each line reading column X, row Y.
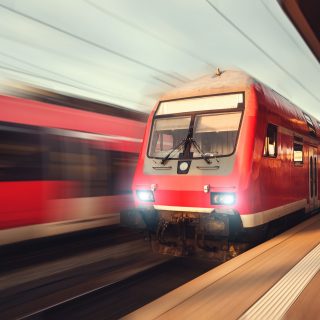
column 223, row 157
column 62, row 169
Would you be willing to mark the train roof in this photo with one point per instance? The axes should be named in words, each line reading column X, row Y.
column 35, row 113
column 227, row 81
column 234, row 81
column 30, row 92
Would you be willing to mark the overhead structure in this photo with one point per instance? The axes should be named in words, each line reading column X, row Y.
column 305, row 16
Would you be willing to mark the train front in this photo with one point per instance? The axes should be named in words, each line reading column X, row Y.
column 187, row 182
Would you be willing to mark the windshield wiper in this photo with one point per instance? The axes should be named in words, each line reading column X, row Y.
column 204, row 156
column 214, row 154
column 177, row 147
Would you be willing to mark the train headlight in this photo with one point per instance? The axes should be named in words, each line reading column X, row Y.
column 145, row 195
column 223, row 198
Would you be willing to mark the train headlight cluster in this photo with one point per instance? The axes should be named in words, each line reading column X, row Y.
column 145, row 195
column 223, row 198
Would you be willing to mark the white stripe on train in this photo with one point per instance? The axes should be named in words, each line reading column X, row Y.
column 249, row 220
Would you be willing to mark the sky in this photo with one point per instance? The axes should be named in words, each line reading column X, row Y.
column 130, row 52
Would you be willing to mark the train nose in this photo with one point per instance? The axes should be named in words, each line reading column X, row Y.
column 184, row 194
column 180, row 197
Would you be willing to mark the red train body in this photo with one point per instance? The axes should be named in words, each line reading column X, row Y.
column 62, row 169
column 222, row 157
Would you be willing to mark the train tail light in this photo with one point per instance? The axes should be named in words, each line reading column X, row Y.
column 145, row 195
column 223, row 198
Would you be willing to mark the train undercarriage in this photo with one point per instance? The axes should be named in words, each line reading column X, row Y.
column 212, row 235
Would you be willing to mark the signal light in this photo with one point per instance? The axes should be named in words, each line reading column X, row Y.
column 223, row 198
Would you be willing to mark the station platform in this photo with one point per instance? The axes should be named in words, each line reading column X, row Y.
column 278, row 279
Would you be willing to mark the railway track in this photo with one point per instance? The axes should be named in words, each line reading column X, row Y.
column 38, row 287
column 32, row 252
column 118, row 298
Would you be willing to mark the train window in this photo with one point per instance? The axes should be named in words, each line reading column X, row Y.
column 20, row 153
column 270, row 145
column 55, row 158
column 123, row 165
column 68, row 159
column 216, row 134
column 76, row 159
column 298, row 153
column 312, row 129
column 100, row 173
column 166, row 134
column 218, row 102
column 111, row 172
column 90, row 166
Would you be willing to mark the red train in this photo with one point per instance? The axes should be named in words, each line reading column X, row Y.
column 222, row 157
column 62, row 169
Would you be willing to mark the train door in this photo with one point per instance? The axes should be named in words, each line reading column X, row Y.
column 313, row 179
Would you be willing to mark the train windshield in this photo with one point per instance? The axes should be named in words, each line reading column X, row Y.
column 196, row 127
column 167, row 135
column 216, row 134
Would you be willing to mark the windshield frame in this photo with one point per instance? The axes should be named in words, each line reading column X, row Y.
column 193, row 114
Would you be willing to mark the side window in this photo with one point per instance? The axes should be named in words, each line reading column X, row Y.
column 312, row 129
column 100, row 171
column 123, row 166
column 76, row 163
column 298, row 151
column 270, row 144
column 68, row 160
column 89, row 165
column 55, row 157
column 20, row 153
